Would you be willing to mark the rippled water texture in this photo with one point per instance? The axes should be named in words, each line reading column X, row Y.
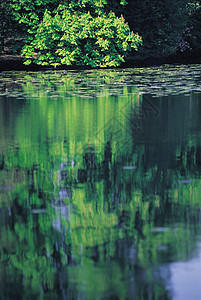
column 100, row 184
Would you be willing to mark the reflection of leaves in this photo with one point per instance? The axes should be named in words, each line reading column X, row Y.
column 114, row 206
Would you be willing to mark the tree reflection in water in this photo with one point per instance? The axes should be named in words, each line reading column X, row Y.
column 96, row 216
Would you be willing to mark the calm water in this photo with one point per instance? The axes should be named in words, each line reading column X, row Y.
column 100, row 184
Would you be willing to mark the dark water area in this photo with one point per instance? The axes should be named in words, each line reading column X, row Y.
column 100, row 184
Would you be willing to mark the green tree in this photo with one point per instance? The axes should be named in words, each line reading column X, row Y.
column 75, row 33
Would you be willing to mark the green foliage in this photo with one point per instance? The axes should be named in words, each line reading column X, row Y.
column 74, row 33
column 80, row 39
column 30, row 13
column 86, row 32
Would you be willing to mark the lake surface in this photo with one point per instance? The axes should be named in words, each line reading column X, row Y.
column 100, row 184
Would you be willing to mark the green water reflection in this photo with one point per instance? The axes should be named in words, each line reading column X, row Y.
column 100, row 187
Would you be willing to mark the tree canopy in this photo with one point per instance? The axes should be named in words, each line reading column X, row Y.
column 74, row 33
column 101, row 33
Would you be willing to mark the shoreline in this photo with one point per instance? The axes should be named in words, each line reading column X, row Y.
column 14, row 62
